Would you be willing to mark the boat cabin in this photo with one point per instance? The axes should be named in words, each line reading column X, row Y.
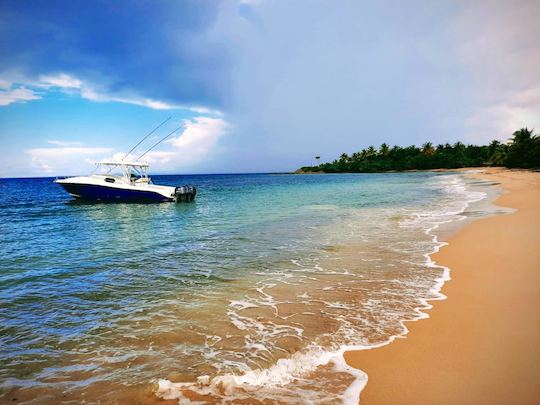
column 127, row 172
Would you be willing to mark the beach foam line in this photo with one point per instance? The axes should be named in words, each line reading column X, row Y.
column 284, row 372
column 302, row 363
column 454, row 187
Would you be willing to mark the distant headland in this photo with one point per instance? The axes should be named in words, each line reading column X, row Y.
column 522, row 151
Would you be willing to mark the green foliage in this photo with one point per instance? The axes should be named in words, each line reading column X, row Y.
column 522, row 151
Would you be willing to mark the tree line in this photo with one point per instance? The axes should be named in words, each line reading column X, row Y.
column 522, row 151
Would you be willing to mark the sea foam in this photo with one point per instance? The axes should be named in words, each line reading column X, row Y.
column 287, row 375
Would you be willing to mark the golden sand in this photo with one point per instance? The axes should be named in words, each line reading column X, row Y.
column 482, row 344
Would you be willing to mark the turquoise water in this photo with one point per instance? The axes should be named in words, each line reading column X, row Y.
column 250, row 292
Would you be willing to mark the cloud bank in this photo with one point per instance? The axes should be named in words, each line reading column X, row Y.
column 500, row 49
column 63, row 158
column 155, row 50
column 25, row 89
column 196, row 143
column 14, row 95
column 294, row 79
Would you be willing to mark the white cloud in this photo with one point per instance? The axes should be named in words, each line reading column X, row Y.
column 62, row 152
column 500, row 120
column 61, row 80
column 160, row 157
column 502, row 54
column 64, row 143
column 206, row 111
column 89, row 93
column 154, row 157
column 197, row 142
column 145, row 102
column 199, row 138
column 70, row 84
column 65, row 159
column 13, row 95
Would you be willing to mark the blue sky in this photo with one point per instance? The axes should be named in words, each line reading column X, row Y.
column 258, row 85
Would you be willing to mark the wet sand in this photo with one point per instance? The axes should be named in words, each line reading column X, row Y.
column 482, row 344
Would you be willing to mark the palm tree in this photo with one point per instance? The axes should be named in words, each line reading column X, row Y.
column 524, row 151
column 363, row 154
column 459, row 146
column 496, row 153
column 493, row 146
column 428, row 149
column 498, row 157
column 522, row 135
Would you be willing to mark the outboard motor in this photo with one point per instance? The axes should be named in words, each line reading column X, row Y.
column 185, row 193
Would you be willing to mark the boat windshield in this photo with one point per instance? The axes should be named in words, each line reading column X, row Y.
column 132, row 172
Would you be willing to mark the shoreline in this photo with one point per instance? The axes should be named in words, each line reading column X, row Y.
column 489, row 331
column 145, row 393
column 438, row 170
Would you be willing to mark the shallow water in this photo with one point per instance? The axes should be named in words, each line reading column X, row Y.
column 252, row 292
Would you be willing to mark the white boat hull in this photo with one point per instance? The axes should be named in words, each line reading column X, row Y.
column 102, row 188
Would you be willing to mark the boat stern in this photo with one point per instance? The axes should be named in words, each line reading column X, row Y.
column 185, row 193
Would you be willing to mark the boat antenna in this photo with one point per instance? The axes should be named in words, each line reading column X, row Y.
column 146, row 136
column 158, row 142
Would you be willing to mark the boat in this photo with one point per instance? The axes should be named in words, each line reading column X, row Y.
column 123, row 181
column 126, row 181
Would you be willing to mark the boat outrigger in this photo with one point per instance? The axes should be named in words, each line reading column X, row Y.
column 125, row 181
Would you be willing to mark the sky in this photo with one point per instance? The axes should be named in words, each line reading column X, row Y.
column 257, row 85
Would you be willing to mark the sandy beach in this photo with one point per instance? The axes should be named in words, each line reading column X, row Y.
column 482, row 344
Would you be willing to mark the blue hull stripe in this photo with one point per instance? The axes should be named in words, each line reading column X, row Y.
column 101, row 193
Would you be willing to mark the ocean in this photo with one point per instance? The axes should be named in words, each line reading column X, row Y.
column 253, row 292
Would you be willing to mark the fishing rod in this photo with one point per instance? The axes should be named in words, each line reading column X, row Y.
column 158, row 142
column 146, row 136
